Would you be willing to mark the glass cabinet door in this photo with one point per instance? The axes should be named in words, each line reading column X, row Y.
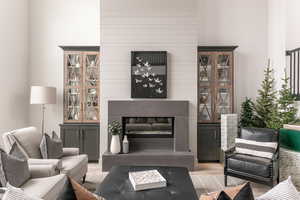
column 205, row 112
column 205, row 69
column 91, row 87
column 223, row 102
column 215, row 85
column 223, row 69
column 72, row 93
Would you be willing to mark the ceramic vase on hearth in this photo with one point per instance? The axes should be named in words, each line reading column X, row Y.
column 115, row 146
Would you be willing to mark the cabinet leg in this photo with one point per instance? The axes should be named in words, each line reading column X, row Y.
column 83, row 179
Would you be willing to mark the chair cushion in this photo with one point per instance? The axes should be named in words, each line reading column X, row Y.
column 29, row 139
column 71, row 165
column 45, row 188
column 259, row 134
column 250, row 164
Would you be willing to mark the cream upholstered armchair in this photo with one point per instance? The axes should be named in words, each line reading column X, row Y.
column 71, row 163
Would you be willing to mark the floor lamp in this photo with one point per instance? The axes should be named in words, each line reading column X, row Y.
column 43, row 95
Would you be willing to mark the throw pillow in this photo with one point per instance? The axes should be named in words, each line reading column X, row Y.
column 283, row 191
column 82, row 193
column 67, row 192
column 13, row 170
column 254, row 148
column 51, row 148
column 13, row 193
column 223, row 196
column 17, row 152
column 230, row 191
column 242, row 192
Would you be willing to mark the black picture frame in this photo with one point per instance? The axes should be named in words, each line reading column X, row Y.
column 149, row 74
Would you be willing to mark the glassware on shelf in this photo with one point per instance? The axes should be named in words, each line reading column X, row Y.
column 204, row 68
column 91, row 113
column 205, row 112
column 92, row 97
column 223, row 68
column 223, row 102
column 74, row 61
column 91, row 70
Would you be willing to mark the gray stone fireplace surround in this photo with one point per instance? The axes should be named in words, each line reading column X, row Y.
column 152, row 151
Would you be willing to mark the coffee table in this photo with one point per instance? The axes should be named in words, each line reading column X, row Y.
column 116, row 185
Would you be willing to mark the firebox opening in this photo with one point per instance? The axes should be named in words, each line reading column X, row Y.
column 148, row 127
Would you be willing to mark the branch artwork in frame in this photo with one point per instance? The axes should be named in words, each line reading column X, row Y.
column 148, row 74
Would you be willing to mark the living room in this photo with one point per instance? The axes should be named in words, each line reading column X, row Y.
column 178, row 78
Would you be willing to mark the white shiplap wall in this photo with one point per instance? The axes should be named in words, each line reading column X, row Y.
column 133, row 25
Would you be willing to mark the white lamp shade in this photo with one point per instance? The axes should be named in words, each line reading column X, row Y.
column 43, row 95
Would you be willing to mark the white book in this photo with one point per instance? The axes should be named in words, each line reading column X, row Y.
column 144, row 180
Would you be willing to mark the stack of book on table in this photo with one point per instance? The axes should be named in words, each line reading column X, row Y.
column 144, row 180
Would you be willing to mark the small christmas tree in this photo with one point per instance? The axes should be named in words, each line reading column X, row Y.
column 285, row 111
column 265, row 102
column 286, row 108
column 247, row 113
column 275, row 121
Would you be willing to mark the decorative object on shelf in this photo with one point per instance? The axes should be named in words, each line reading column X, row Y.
column 125, row 145
column 115, row 130
column 81, row 84
column 43, row 95
column 149, row 74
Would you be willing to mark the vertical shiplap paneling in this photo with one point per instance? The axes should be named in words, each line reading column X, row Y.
column 132, row 25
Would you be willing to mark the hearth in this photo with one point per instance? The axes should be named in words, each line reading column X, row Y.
column 148, row 127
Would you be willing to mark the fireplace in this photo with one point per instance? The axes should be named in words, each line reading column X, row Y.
column 148, row 127
column 158, row 133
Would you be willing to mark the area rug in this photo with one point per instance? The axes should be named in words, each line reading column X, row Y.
column 203, row 183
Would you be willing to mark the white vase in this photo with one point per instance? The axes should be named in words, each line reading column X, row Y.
column 115, row 146
column 125, row 145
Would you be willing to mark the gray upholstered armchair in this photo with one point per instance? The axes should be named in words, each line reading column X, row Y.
column 253, row 168
column 72, row 163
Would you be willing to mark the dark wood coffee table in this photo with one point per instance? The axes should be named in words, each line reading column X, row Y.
column 116, row 185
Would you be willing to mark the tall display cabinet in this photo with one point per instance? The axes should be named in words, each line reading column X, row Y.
column 81, row 99
column 215, row 97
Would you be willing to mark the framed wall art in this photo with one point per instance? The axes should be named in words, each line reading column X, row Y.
column 148, row 74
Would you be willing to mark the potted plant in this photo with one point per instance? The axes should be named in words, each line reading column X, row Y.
column 115, row 130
